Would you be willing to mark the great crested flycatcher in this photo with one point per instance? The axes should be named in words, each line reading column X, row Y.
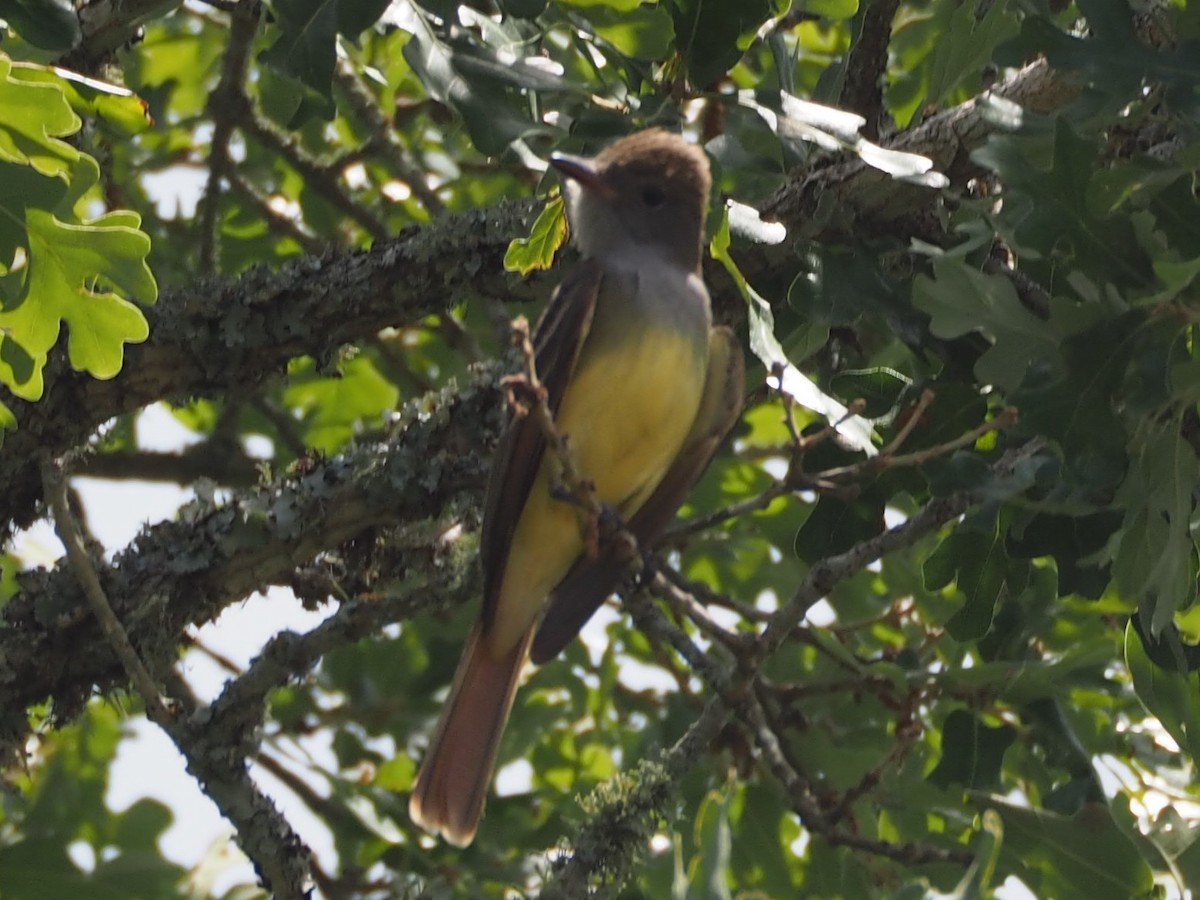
column 643, row 388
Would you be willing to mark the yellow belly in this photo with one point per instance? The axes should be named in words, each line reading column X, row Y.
column 626, row 413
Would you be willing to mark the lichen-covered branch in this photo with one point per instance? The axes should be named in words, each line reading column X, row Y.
column 227, row 336
column 183, row 573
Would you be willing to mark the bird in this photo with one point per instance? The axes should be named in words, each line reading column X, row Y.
column 643, row 388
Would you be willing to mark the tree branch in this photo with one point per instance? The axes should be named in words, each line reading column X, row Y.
column 225, row 104
column 227, row 337
column 279, row 856
column 842, row 196
column 862, row 88
column 183, row 573
column 207, row 460
column 81, row 566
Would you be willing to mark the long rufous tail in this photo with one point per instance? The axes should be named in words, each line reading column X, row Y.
column 451, row 788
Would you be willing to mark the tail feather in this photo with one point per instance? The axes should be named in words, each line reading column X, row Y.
column 451, row 787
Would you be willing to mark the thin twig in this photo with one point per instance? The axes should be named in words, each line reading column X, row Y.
column 752, row 714
column 278, row 854
column 459, row 337
column 709, row 597
column 862, row 90
column 1006, row 418
column 321, row 176
column 225, row 104
column 287, row 655
column 276, row 221
column 286, row 427
column 210, row 459
column 394, row 363
column 906, row 853
column 914, row 419
column 384, row 137
column 529, row 397
column 732, row 511
column 832, row 479
column 746, row 707
column 225, row 662
column 650, row 620
column 826, row 574
column 54, row 485
column 686, row 604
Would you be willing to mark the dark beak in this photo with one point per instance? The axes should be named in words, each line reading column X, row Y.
column 583, row 171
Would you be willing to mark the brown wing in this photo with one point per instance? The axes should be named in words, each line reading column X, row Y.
column 559, row 335
column 590, row 581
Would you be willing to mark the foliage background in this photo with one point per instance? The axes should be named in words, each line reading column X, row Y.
column 967, row 660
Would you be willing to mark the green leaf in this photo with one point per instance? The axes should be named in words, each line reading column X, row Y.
column 972, row 752
column 1173, row 697
column 940, row 49
column 77, row 276
column 333, row 408
column 356, row 16
column 1112, row 59
column 74, row 272
column 761, row 823
column 835, row 10
column 980, row 875
column 1155, row 559
column 116, row 106
column 711, row 37
column 65, row 803
column 1178, row 840
column 48, row 24
column 39, row 869
column 976, row 562
column 965, row 48
column 24, row 187
column 1071, row 858
column 708, row 872
column 1074, row 402
column 525, row 255
column 836, row 525
column 306, row 47
column 178, row 70
column 644, row 31
column 1071, row 540
column 35, row 117
column 8, row 421
column 879, row 387
column 806, row 340
column 1054, row 207
column 961, row 300
column 71, row 789
column 490, row 114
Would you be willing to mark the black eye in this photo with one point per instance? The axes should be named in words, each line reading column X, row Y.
column 653, row 196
